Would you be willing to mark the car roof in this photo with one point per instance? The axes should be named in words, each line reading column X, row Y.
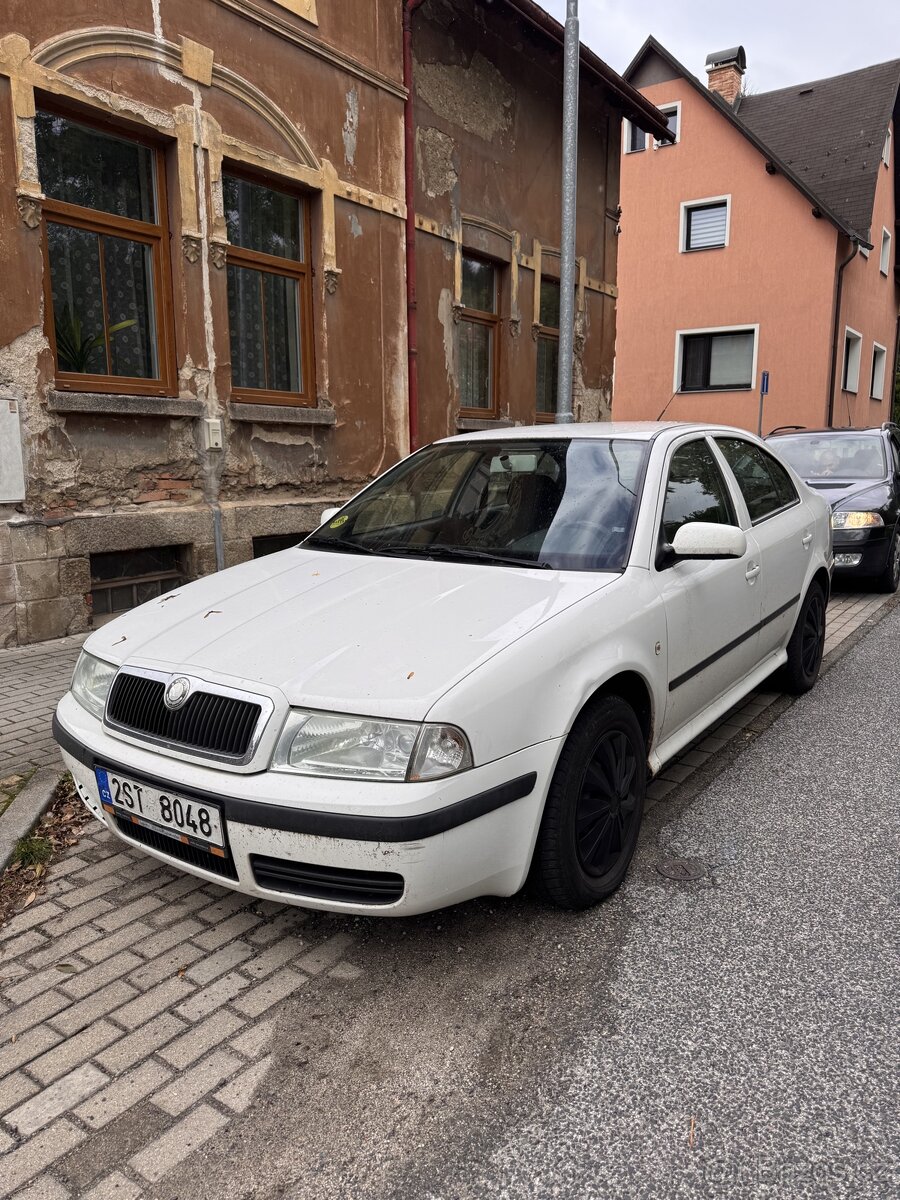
column 584, row 430
column 847, row 429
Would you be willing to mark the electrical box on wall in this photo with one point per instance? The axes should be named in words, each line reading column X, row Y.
column 212, row 434
column 12, row 466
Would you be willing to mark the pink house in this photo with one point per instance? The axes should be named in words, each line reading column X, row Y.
column 762, row 239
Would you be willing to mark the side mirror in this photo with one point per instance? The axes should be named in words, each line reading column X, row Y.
column 327, row 514
column 704, row 539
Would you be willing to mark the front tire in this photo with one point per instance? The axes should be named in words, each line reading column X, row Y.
column 889, row 579
column 593, row 813
column 807, row 644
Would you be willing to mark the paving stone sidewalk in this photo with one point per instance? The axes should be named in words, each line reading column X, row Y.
column 138, row 1004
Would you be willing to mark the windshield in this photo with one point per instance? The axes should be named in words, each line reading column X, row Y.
column 566, row 504
column 834, row 455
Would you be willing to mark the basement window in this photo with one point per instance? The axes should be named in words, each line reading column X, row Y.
column 124, row 579
column 271, row 543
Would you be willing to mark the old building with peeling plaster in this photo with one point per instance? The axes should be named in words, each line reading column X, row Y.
column 204, row 308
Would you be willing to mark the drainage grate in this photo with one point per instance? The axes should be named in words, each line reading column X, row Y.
column 684, row 870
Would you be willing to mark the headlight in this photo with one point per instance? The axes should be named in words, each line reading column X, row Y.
column 315, row 743
column 91, row 683
column 855, row 520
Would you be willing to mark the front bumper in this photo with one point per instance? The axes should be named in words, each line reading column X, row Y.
column 448, row 840
column 872, row 545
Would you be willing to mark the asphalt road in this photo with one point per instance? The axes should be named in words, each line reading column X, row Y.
column 733, row 1036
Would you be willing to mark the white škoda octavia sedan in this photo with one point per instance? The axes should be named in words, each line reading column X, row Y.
column 464, row 675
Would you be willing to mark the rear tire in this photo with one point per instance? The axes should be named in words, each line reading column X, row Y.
column 807, row 643
column 889, row 579
column 593, row 813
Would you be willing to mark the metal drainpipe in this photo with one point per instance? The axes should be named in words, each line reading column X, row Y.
column 412, row 328
column 571, row 56
column 837, row 327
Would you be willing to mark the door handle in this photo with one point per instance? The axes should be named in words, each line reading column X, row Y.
column 752, row 571
column 806, row 541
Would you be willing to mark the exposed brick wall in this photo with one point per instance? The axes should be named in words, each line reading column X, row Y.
column 726, row 81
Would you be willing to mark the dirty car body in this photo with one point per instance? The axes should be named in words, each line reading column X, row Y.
column 467, row 672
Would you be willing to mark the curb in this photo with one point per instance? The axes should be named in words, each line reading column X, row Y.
column 25, row 811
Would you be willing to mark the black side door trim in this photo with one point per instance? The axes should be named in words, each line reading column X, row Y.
column 708, row 662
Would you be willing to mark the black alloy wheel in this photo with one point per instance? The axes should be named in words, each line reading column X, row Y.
column 807, row 644
column 592, row 817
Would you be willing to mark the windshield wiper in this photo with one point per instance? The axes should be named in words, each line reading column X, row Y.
column 469, row 553
column 438, row 550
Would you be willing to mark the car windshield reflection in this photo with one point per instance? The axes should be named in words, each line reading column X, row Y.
column 561, row 504
column 834, row 455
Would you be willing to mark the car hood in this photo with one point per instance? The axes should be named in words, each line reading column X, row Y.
column 375, row 636
column 857, row 494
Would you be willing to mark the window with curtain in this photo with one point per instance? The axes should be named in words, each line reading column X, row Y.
column 547, row 350
column 269, row 294
column 717, row 361
column 477, row 332
column 105, row 240
column 705, row 226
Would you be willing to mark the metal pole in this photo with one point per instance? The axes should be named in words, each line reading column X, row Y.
column 571, row 53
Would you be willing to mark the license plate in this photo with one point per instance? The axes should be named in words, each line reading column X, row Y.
column 175, row 816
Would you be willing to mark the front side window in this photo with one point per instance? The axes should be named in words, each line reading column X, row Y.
column 478, row 337
column 717, row 361
column 547, row 349
column 566, row 504
column 269, row 294
column 695, row 490
column 764, row 483
column 705, row 226
column 106, row 251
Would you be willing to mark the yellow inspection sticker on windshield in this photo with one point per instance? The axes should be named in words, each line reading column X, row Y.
column 338, row 522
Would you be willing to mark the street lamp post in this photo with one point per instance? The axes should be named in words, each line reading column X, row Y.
column 571, row 53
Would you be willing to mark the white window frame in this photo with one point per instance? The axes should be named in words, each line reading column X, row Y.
column 674, row 106
column 864, row 251
column 884, row 263
column 681, row 334
column 876, row 387
column 845, row 377
column 886, row 152
column 626, row 138
column 687, row 205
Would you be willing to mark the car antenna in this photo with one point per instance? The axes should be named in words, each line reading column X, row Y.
column 667, row 403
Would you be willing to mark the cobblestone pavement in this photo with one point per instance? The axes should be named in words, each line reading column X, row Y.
column 137, row 1007
column 137, row 1004
column 32, row 679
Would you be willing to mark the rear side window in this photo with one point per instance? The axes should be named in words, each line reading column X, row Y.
column 695, row 490
column 764, row 483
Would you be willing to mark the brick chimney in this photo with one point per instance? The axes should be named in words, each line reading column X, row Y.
column 725, row 69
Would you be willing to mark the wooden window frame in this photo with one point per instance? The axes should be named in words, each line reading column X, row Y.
column 155, row 235
column 255, row 260
column 492, row 320
column 550, row 334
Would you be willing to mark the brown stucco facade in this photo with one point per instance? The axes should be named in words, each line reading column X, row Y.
column 307, row 98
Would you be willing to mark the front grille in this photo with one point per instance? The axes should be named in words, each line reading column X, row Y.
column 208, row 722
column 183, row 852
column 326, row 883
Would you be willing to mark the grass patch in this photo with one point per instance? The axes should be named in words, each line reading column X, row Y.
column 32, row 851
